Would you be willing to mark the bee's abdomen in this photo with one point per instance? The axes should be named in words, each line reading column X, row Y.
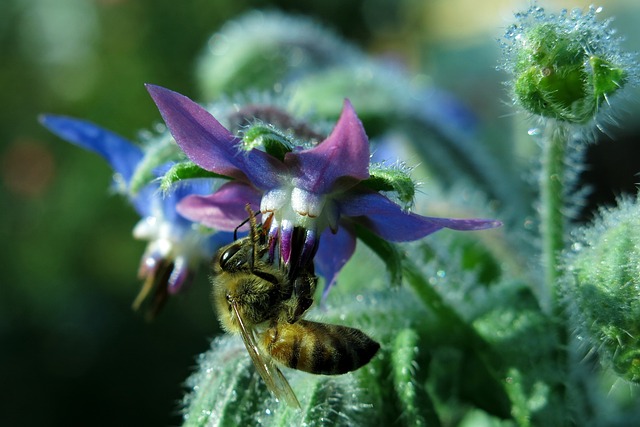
column 319, row 348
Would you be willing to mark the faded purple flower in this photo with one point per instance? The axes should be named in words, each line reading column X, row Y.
column 175, row 245
column 309, row 200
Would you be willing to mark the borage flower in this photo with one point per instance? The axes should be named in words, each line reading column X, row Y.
column 310, row 198
column 175, row 245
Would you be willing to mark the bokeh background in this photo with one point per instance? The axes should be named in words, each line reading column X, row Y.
column 72, row 352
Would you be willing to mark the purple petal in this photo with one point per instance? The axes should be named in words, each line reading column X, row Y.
column 390, row 222
column 178, row 192
column 333, row 253
column 207, row 143
column 340, row 161
column 122, row 155
column 286, row 237
column 223, row 210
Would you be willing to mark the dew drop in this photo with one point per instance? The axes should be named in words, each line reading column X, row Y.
column 218, row 44
column 159, row 127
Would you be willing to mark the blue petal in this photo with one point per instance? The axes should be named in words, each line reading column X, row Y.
column 151, row 201
column 390, row 222
column 333, row 253
column 121, row 154
column 144, row 201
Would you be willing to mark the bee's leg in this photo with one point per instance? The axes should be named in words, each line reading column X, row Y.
column 304, row 287
column 253, row 234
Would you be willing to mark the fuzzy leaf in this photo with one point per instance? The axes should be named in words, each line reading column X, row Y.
column 416, row 406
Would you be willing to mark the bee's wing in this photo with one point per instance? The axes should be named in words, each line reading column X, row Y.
column 272, row 376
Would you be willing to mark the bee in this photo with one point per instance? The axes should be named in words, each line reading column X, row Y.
column 259, row 301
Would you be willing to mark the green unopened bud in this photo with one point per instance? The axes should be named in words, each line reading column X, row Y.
column 564, row 66
column 603, row 290
column 268, row 138
column 263, row 50
column 395, row 179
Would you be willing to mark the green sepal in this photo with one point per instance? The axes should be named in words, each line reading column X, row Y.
column 607, row 78
column 392, row 179
column 156, row 154
column 185, row 170
column 388, row 252
column 269, row 138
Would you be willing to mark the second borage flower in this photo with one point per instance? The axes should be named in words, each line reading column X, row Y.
column 311, row 196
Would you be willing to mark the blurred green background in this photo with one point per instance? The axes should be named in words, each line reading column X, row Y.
column 71, row 350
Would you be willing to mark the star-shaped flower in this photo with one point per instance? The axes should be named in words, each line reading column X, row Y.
column 310, row 199
column 175, row 245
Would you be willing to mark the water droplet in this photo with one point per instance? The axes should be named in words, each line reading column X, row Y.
column 218, row 44
column 534, row 131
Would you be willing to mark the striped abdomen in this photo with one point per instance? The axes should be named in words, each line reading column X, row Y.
column 319, row 348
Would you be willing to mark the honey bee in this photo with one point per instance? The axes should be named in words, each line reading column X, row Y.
column 256, row 299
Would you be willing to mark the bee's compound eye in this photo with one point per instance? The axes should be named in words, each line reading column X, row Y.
column 228, row 254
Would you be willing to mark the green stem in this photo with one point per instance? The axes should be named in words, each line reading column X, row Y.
column 490, row 365
column 456, row 326
column 552, row 202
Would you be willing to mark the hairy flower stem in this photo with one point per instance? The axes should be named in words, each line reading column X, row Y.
column 551, row 209
column 552, row 223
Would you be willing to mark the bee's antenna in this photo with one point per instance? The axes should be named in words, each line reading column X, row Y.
column 235, row 232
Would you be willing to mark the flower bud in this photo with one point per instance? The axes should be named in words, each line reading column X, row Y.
column 603, row 288
column 564, row 66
